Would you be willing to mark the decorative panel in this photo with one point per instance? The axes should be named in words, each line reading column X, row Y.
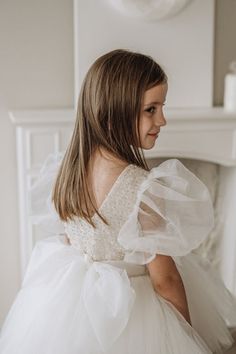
column 38, row 143
column 38, row 134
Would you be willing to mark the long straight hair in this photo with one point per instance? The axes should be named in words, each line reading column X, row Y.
column 108, row 116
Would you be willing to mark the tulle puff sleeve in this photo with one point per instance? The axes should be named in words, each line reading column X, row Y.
column 173, row 214
column 43, row 212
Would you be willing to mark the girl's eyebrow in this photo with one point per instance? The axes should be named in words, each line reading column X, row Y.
column 156, row 102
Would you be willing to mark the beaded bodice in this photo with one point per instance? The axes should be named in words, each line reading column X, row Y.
column 101, row 243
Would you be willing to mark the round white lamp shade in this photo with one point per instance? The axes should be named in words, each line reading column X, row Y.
column 149, row 10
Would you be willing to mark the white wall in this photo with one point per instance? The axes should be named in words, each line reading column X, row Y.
column 182, row 44
column 36, row 71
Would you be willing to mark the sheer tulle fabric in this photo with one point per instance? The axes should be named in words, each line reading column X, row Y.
column 40, row 194
column 173, row 215
column 69, row 304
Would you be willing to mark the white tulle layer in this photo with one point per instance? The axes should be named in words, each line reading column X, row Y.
column 68, row 305
column 173, row 215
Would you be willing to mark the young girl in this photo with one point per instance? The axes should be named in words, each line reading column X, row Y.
column 119, row 274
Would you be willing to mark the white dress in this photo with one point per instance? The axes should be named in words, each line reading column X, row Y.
column 95, row 295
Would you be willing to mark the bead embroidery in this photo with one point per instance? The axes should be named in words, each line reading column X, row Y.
column 101, row 243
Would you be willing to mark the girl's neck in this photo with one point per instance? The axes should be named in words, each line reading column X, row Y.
column 105, row 159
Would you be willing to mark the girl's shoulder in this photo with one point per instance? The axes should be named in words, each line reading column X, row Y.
column 126, row 185
column 171, row 174
column 132, row 177
column 136, row 172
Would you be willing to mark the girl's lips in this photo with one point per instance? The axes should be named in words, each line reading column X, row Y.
column 153, row 134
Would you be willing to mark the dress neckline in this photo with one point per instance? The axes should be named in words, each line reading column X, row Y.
column 112, row 189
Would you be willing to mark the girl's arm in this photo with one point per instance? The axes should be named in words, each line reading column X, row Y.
column 167, row 282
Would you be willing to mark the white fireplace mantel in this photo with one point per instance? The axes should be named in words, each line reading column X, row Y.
column 201, row 134
column 207, row 134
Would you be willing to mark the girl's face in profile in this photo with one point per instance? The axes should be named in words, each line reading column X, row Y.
column 152, row 117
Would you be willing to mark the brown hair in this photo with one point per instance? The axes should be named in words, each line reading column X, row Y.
column 107, row 116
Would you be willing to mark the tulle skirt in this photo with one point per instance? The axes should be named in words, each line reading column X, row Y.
column 70, row 305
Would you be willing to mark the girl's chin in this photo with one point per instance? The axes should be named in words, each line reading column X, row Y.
column 148, row 146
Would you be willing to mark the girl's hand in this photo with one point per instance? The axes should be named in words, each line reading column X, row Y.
column 67, row 240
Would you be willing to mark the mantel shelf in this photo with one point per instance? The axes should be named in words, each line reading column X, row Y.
column 213, row 113
column 42, row 116
column 53, row 116
column 199, row 133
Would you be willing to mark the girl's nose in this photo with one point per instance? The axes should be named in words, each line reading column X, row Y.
column 161, row 121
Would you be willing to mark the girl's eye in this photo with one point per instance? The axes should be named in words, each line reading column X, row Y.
column 151, row 109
